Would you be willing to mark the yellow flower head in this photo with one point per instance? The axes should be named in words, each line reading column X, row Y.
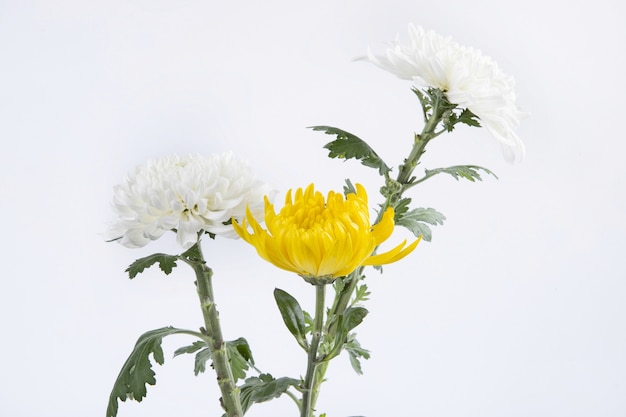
column 322, row 239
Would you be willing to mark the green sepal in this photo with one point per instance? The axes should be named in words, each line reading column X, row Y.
column 264, row 388
column 137, row 371
column 166, row 263
column 349, row 146
column 292, row 315
column 417, row 221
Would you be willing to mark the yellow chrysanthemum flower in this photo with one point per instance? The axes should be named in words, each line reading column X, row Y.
column 322, row 239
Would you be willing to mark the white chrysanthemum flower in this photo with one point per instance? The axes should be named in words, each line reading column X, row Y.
column 467, row 77
column 191, row 195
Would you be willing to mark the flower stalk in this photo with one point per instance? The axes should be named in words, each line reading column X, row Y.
column 231, row 401
column 344, row 295
column 429, row 132
column 313, row 378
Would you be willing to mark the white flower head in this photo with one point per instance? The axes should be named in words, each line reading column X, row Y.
column 467, row 77
column 193, row 194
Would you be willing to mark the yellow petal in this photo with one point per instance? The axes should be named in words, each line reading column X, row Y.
column 383, row 229
column 392, row 255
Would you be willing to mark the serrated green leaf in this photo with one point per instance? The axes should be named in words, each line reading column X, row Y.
column 137, row 371
column 193, row 348
column 417, row 221
column 166, row 263
column 468, row 118
column 469, row 172
column 193, row 253
column 424, row 101
column 243, row 349
column 199, row 365
column 361, row 294
column 349, row 146
column 264, row 388
column 351, row 317
column 401, row 207
column 239, row 356
column 355, row 351
column 292, row 315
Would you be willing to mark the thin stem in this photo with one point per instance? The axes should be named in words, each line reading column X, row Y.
column 316, row 371
column 312, row 380
column 342, row 299
column 230, row 392
column 419, row 145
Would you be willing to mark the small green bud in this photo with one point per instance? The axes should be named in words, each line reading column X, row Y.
column 391, row 188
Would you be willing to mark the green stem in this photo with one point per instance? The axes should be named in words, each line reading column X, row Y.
column 342, row 300
column 421, row 140
column 230, row 392
column 312, row 379
column 316, row 371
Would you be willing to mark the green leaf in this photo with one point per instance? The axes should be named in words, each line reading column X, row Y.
column 137, row 371
column 166, row 263
column 264, row 388
column 353, row 316
column 401, row 207
column 417, row 221
column 292, row 315
column 349, row 146
column 308, row 322
column 238, row 351
column 424, row 101
column 361, row 294
column 355, row 351
column 239, row 356
column 469, row 172
column 193, row 348
column 202, row 356
column 349, row 187
column 193, row 253
column 468, row 118
column 199, row 365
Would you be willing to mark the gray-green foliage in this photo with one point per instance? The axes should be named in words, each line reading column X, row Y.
column 292, row 315
column 349, row 146
column 264, row 388
column 137, row 371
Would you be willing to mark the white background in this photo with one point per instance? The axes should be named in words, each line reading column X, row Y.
column 515, row 309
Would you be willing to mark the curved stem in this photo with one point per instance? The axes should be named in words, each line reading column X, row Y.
column 312, row 379
column 230, row 392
